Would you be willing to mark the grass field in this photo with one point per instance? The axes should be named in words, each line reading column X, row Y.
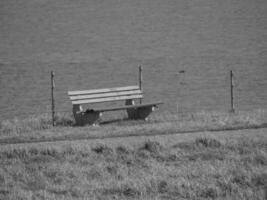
column 187, row 165
column 229, row 165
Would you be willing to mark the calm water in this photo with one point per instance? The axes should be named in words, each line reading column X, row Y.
column 95, row 44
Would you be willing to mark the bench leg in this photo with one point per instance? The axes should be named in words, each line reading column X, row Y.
column 144, row 112
column 132, row 114
column 91, row 118
column 77, row 111
column 82, row 118
column 139, row 113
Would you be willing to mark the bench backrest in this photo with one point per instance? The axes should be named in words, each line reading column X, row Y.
column 105, row 95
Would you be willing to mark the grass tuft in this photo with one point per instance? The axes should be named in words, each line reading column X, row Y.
column 162, row 186
column 241, row 178
column 125, row 190
column 102, row 149
column 152, row 147
column 209, row 193
column 208, row 142
column 259, row 180
column 122, row 150
column 260, row 159
column 130, row 191
column 94, row 173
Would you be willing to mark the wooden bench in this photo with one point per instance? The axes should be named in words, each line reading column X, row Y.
column 90, row 116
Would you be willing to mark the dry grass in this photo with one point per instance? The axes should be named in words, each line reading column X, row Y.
column 18, row 127
column 202, row 168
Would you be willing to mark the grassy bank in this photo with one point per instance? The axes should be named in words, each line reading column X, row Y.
column 206, row 167
column 39, row 127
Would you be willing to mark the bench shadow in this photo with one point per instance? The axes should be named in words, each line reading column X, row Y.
column 114, row 121
column 122, row 122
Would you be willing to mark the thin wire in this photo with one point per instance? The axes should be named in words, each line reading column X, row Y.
column 238, row 89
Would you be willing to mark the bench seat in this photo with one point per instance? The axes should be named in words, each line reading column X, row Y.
column 104, row 109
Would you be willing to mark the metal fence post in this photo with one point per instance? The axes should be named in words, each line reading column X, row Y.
column 232, row 91
column 140, row 81
column 53, row 97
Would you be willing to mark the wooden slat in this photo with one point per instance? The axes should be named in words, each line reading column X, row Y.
column 127, row 107
column 107, row 94
column 117, row 98
column 82, row 92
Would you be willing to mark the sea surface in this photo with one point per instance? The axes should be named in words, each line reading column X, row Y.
column 186, row 49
